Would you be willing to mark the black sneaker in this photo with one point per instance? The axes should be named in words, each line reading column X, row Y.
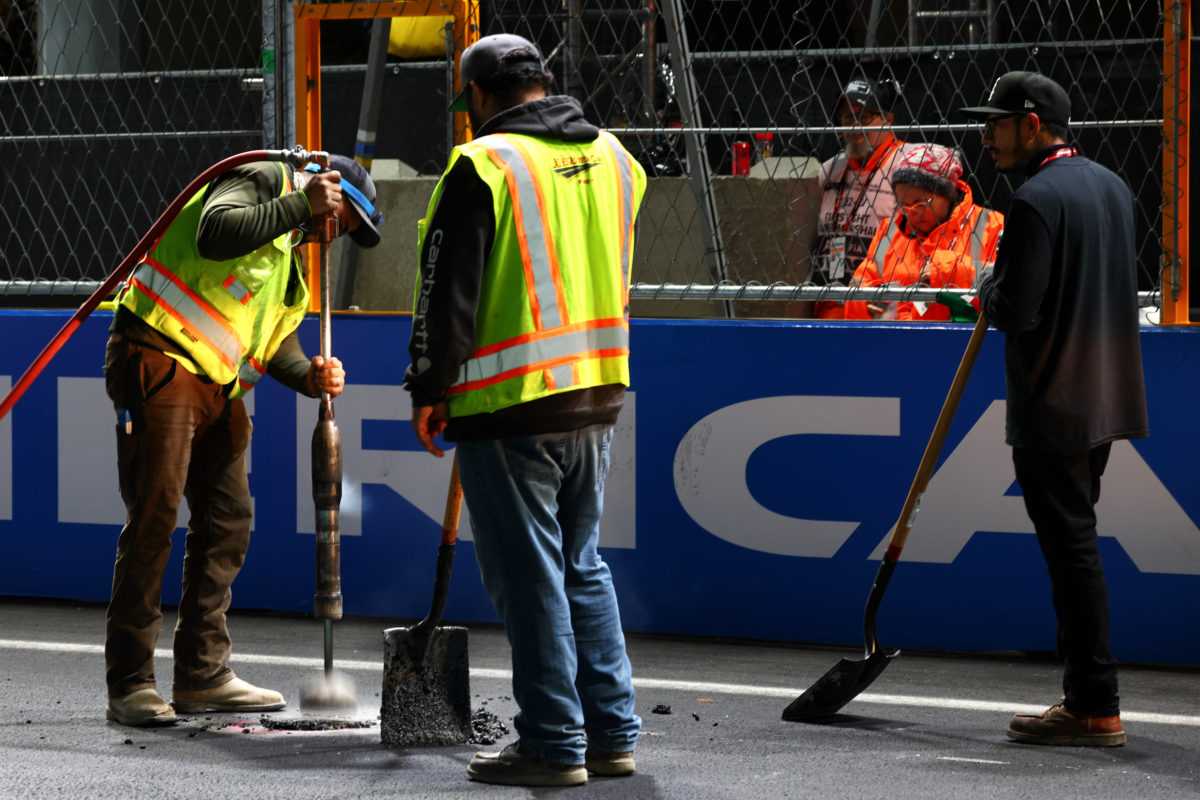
column 515, row 766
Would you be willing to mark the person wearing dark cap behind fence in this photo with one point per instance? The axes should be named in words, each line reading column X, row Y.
column 520, row 355
column 938, row 237
column 856, row 189
column 1064, row 291
column 211, row 308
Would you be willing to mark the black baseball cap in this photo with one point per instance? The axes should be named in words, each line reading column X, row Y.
column 1025, row 93
column 495, row 55
column 878, row 96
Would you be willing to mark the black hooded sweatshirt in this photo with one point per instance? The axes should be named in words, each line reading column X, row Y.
column 451, row 275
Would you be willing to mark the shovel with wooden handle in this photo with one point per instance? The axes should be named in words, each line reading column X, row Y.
column 849, row 676
column 426, row 680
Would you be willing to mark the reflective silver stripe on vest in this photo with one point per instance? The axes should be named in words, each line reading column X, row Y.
column 884, row 244
column 563, row 376
column 977, row 237
column 526, row 357
column 188, row 308
column 249, row 373
column 237, row 289
column 534, row 230
column 627, row 204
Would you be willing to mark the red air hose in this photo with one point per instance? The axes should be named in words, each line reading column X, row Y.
column 297, row 157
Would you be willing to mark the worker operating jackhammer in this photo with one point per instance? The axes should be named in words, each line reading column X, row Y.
column 213, row 306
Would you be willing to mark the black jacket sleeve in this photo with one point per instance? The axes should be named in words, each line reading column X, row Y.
column 453, row 258
column 1011, row 298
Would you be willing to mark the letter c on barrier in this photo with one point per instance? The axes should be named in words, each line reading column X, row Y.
column 710, row 467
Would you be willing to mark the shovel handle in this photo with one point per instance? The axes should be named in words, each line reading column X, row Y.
column 453, row 507
column 445, row 560
column 933, row 449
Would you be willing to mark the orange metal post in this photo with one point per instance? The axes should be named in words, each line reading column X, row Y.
column 1177, row 32
column 308, row 122
column 308, row 18
column 466, row 33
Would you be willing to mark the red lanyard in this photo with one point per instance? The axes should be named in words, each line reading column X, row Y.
column 1061, row 152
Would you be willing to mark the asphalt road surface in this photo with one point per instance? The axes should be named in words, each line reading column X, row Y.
column 931, row 726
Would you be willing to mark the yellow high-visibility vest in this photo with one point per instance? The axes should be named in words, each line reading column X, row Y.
column 553, row 312
column 229, row 317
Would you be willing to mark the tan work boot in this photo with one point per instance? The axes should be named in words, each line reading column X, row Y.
column 516, row 766
column 236, row 695
column 1058, row 725
column 609, row 765
column 143, row 707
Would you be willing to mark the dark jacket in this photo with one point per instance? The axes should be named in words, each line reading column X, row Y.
column 1065, row 291
column 445, row 324
column 243, row 210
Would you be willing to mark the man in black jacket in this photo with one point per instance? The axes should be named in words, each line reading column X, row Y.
column 1065, row 293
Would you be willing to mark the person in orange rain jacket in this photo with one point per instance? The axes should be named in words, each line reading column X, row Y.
column 938, row 237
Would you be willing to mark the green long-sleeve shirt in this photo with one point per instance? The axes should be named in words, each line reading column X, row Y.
column 243, row 210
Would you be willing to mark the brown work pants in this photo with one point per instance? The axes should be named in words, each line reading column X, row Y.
column 186, row 439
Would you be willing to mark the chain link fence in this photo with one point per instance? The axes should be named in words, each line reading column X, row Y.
column 108, row 107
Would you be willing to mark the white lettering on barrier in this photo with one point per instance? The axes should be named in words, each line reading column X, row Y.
column 87, row 455
column 422, row 479
column 710, row 467
column 967, row 494
column 415, row 475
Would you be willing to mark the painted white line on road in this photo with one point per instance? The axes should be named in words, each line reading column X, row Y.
column 972, row 760
column 698, row 687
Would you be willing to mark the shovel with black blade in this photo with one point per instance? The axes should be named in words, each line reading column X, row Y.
column 426, row 676
column 850, row 676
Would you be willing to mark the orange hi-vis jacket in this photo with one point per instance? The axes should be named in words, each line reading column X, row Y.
column 953, row 254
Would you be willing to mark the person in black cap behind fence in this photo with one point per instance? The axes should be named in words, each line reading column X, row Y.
column 856, row 186
column 210, row 309
column 520, row 355
column 1064, row 291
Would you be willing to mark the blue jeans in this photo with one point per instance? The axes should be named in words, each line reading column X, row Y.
column 535, row 504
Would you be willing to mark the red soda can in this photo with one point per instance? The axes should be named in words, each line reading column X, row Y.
column 741, row 158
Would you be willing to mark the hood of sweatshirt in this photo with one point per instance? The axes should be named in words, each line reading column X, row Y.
column 555, row 117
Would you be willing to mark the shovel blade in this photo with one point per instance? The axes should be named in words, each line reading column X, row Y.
column 426, row 688
column 837, row 687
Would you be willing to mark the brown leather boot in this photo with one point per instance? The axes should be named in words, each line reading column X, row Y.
column 1058, row 725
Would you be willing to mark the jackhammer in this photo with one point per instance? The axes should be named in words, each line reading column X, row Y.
column 331, row 691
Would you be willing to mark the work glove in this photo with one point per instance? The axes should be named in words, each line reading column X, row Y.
column 960, row 309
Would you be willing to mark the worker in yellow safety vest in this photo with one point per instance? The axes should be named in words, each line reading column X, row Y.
column 211, row 307
column 938, row 237
column 520, row 355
